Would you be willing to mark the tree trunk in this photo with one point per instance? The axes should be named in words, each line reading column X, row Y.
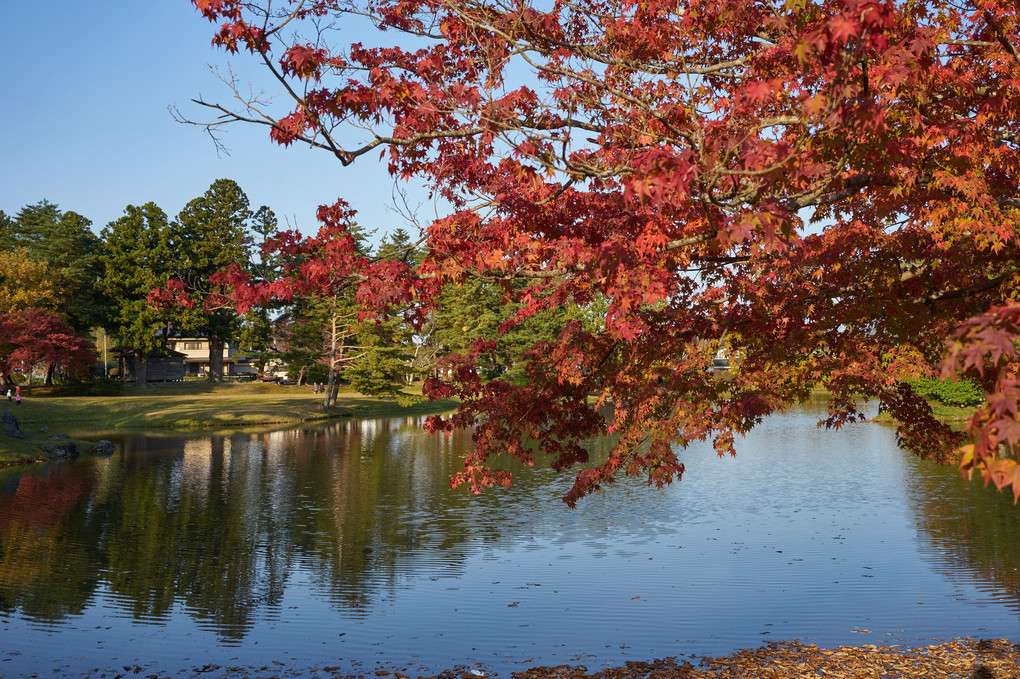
column 216, row 344
column 329, row 385
column 334, row 391
column 331, row 378
column 141, row 371
column 49, row 376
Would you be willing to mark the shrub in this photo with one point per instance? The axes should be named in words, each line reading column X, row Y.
column 959, row 392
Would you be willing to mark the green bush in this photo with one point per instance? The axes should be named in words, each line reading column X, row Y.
column 959, row 392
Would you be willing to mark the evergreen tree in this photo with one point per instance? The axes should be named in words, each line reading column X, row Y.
column 384, row 362
column 7, row 227
column 480, row 310
column 65, row 242
column 137, row 259
column 210, row 234
column 35, row 226
column 255, row 334
column 398, row 247
column 74, row 254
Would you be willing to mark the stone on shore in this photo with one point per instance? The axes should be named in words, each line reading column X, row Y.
column 11, row 426
column 103, row 448
column 67, row 450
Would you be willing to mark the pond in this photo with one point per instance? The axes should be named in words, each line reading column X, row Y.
column 342, row 546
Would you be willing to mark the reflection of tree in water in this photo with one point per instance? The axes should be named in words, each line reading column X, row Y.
column 374, row 497
column 219, row 524
column 49, row 562
column 969, row 529
column 198, row 527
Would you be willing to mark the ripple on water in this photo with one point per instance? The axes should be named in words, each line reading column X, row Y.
column 345, row 543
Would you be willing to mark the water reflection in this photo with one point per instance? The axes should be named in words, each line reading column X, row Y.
column 332, row 540
column 49, row 562
column 970, row 533
column 220, row 522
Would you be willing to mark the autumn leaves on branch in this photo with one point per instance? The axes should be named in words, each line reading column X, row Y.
column 826, row 190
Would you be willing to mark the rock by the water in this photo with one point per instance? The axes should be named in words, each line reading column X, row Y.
column 11, row 427
column 104, row 448
column 44, row 430
column 61, row 451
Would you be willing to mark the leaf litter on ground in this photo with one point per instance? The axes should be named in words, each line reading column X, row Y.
column 957, row 659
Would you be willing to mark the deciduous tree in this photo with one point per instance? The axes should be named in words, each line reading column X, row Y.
column 65, row 243
column 34, row 336
column 828, row 186
column 24, row 284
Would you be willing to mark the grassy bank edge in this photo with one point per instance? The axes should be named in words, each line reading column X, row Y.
column 951, row 415
column 187, row 407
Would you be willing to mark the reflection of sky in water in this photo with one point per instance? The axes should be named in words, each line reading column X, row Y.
column 358, row 552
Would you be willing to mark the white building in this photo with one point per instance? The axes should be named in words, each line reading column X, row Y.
column 196, row 357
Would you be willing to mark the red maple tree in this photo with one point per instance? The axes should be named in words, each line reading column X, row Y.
column 35, row 336
column 826, row 189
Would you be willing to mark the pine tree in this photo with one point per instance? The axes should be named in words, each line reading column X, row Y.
column 136, row 260
column 210, row 234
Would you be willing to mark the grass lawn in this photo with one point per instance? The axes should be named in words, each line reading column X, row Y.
column 185, row 406
column 951, row 415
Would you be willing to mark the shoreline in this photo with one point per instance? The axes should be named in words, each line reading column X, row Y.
column 963, row 658
column 231, row 406
column 189, row 407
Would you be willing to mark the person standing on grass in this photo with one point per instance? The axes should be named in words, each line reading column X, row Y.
column 17, row 395
column 8, row 394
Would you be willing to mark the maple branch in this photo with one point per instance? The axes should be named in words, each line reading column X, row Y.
column 563, row 271
column 292, row 16
column 914, row 270
column 968, row 43
column 1000, row 35
column 852, row 186
column 587, row 137
column 559, row 192
column 734, row 259
column 960, row 293
column 596, row 83
column 301, row 101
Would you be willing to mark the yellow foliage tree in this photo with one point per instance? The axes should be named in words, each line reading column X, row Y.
column 24, row 284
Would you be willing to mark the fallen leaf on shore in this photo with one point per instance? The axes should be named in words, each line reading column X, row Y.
column 960, row 659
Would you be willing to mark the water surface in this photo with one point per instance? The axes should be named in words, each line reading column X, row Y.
column 343, row 546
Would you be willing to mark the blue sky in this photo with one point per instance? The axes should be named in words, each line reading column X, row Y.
column 85, row 122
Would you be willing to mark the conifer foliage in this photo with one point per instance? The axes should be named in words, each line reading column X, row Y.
column 49, row 267
column 826, row 189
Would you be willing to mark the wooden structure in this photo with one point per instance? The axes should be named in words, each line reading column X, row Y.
column 167, row 367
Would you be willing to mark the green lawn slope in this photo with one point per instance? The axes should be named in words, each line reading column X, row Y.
column 186, row 406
